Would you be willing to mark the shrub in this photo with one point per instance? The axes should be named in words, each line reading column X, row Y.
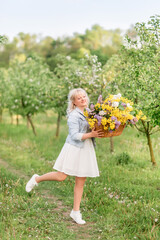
column 123, row 158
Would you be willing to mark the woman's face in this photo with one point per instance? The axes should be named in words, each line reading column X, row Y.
column 81, row 100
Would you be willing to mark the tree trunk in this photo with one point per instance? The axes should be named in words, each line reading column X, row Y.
column 30, row 121
column 58, row 124
column 1, row 114
column 11, row 115
column 111, row 145
column 17, row 120
column 147, row 132
column 151, row 150
column 27, row 123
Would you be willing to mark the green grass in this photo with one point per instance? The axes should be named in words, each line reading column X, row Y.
column 27, row 216
column 123, row 203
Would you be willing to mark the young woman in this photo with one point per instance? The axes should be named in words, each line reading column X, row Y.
column 77, row 157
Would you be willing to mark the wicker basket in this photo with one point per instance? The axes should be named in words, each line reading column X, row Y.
column 116, row 132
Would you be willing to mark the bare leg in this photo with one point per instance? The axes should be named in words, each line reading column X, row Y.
column 51, row 176
column 78, row 191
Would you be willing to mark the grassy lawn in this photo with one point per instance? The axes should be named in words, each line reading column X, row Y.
column 123, row 203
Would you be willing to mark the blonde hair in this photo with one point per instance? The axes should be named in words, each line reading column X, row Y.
column 71, row 97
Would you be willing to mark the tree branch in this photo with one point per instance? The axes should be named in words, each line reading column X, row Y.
column 139, row 129
column 155, row 131
column 145, row 128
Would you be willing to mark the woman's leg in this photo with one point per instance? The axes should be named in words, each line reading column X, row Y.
column 51, row 176
column 78, row 192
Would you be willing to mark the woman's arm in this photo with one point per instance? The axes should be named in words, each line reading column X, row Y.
column 92, row 134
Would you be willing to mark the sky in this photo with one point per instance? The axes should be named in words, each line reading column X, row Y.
column 58, row 18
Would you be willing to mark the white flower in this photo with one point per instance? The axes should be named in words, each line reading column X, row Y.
column 117, row 96
column 121, row 201
column 36, row 107
column 68, row 58
column 86, row 55
column 115, row 104
column 31, row 80
column 16, row 100
column 110, row 195
column 156, row 219
column 101, row 113
column 128, row 105
column 79, row 74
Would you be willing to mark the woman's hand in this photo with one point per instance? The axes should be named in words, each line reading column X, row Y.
column 94, row 133
column 97, row 133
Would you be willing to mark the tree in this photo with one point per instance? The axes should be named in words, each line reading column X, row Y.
column 139, row 75
column 71, row 73
column 3, row 76
column 29, row 84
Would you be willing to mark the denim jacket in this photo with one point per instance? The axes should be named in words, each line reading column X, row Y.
column 77, row 127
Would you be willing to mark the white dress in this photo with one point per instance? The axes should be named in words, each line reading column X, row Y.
column 75, row 161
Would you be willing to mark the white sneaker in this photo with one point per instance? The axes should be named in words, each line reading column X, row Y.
column 31, row 183
column 77, row 217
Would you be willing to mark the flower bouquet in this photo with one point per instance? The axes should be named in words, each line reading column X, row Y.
column 112, row 115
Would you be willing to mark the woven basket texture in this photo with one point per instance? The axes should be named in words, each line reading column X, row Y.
column 114, row 133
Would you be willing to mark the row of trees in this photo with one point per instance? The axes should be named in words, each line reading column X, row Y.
column 28, row 86
column 95, row 41
column 31, row 85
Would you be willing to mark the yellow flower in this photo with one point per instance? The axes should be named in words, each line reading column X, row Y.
column 140, row 115
column 108, row 108
column 104, row 121
column 97, row 105
column 92, row 122
column 112, row 126
column 144, row 117
column 85, row 113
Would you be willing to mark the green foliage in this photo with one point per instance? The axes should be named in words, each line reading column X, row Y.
column 123, row 158
column 3, row 39
column 28, row 86
column 137, row 74
column 139, row 69
column 97, row 41
column 3, row 76
column 71, row 73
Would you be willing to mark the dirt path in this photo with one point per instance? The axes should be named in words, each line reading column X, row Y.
column 82, row 231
